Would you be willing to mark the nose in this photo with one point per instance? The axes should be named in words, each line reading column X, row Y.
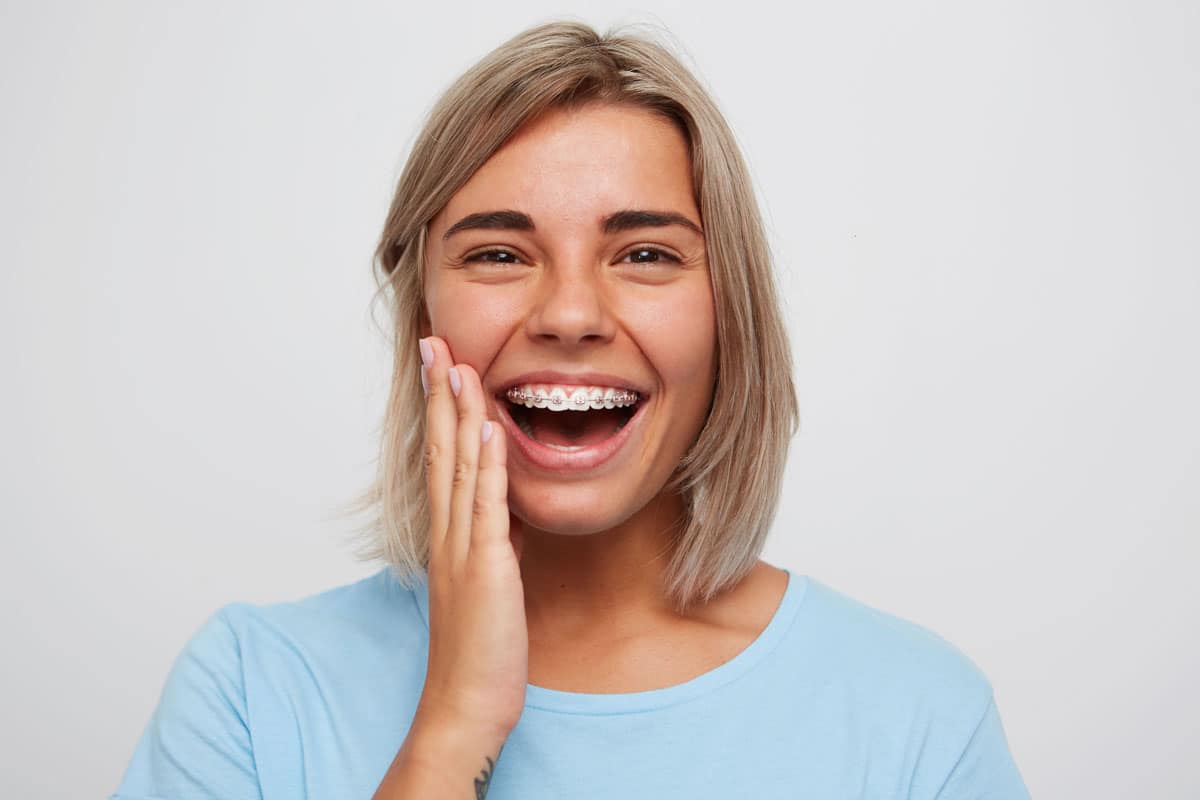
column 571, row 310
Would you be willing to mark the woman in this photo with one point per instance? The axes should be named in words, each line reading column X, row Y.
column 574, row 605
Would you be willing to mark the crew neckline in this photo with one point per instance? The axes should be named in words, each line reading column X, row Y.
column 591, row 703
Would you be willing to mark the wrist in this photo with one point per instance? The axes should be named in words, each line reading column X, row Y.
column 440, row 731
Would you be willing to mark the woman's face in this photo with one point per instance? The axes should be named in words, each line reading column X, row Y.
column 570, row 263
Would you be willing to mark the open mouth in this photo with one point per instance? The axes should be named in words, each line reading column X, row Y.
column 571, row 423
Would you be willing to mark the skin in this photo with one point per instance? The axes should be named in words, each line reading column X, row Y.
column 568, row 296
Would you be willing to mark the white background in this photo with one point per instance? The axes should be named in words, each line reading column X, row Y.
column 986, row 225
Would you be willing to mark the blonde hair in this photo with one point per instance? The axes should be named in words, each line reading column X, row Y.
column 730, row 478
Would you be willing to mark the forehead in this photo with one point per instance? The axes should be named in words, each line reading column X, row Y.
column 577, row 165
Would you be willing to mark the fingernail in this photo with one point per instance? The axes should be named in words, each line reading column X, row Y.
column 486, row 432
column 455, row 381
column 425, row 379
column 426, row 352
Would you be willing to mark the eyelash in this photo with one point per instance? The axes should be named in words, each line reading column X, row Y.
column 663, row 254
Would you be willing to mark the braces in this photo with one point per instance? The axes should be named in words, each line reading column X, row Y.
column 582, row 400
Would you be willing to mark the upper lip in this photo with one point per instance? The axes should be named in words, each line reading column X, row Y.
column 574, row 379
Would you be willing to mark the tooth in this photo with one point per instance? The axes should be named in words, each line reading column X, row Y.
column 525, row 427
column 571, row 398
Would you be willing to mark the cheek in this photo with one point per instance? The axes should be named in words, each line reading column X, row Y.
column 678, row 334
column 474, row 320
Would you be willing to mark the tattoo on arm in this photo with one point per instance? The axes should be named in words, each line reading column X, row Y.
column 482, row 784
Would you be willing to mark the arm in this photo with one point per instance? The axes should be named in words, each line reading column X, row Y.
column 197, row 742
column 478, row 640
column 985, row 770
column 441, row 760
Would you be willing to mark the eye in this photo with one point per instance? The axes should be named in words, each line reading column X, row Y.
column 650, row 255
column 507, row 257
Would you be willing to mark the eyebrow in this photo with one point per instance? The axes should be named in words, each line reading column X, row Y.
column 617, row 222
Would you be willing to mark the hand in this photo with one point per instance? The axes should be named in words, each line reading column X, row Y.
column 478, row 638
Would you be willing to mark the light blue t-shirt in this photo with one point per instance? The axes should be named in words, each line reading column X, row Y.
column 834, row 700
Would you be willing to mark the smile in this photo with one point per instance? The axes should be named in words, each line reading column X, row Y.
column 564, row 427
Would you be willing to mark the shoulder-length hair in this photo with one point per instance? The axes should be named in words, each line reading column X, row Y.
column 730, row 477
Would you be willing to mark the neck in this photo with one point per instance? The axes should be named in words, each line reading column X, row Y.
column 608, row 581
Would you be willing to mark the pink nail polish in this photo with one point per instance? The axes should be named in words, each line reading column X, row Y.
column 486, row 432
column 425, row 379
column 455, row 381
column 426, row 352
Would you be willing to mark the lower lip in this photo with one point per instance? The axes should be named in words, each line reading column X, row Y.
column 584, row 458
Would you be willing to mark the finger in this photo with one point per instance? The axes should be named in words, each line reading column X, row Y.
column 441, row 423
column 516, row 533
column 491, row 524
column 466, row 461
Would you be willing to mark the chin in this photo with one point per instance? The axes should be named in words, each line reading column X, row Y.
column 571, row 511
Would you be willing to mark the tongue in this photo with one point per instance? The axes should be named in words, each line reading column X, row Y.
column 573, row 428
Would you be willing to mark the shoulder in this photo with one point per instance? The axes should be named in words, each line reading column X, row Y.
column 243, row 672
column 240, row 637
column 377, row 608
column 886, row 651
column 904, row 682
column 901, row 679
column 246, row 656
